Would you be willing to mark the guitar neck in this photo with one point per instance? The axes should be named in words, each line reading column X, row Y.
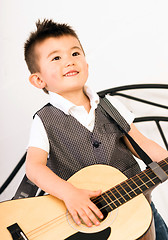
column 130, row 188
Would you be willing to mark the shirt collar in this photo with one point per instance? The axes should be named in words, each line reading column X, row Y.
column 65, row 105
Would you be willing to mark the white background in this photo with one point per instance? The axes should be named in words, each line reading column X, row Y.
column 126, row 42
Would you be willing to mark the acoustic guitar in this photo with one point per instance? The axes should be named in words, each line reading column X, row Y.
column 127, row 213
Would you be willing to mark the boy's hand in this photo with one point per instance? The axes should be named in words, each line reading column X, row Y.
column 78, row 204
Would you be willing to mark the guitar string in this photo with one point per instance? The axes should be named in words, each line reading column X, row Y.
column 38, row 231
column 96, row 200
column 68, row 215
column 63, row 215
column 47, row 225
column 61, row 219
column 164, row 163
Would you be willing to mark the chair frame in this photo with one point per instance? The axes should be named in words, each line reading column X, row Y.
column 116, row 91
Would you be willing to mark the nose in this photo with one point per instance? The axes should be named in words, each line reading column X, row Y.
column 69, row 61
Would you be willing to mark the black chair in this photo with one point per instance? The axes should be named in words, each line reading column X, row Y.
column 128, row 92
column 157, row 119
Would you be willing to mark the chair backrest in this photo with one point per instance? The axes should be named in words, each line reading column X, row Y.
column 137, row 93
column 146, row 102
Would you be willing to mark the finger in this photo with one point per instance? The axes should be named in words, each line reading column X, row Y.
column 94, row 193
column 75, row 217
column 96, row 210
column 92, row 217
column 85, row 218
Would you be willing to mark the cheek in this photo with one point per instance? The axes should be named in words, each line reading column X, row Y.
column 84, row 66
column 52, row 74
column 86, row 69
column 87, row 66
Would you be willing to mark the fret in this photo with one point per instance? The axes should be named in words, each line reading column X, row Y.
column 134, row 186
column 149, row 181
column 111, row 201
column 129, row 189
column 145, row 179
column 117, row 199
column 146, row 183
column 114, row 199
column 159, row 171
column 164, row 165
column 139, row 183
column 123, row 193
column 152, row 176
column 121, row 199
column 165, row 168
column 99, row 202
column 108, row 206
column 104, row 203
column 164, row 162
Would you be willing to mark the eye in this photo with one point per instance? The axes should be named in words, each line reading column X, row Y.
column 75, row 54
column 56, row 58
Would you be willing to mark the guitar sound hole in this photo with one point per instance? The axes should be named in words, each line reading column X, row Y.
column 105, row 213
column 105, row 222
column 102, row 206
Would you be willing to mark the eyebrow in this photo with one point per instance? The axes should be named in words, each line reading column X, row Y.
column 56, row 51
column 76, row 47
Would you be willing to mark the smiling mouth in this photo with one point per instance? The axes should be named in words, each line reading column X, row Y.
column 69, row 74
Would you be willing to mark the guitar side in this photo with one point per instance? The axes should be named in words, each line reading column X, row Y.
column 46, row 217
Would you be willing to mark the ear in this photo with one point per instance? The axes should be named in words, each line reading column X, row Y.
column 36, row 80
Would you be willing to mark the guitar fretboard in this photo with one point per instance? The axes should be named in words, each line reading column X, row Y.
column 130, row 188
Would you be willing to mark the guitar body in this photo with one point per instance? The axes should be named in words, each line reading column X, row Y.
column 46, row 217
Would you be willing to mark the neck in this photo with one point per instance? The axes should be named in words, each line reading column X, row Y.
column 79, row 98
column 130, row 188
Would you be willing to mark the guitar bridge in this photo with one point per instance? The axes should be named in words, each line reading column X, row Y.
column 16, row 232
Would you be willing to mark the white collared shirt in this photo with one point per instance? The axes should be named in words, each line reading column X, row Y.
column 78, row 112
column 38, row 135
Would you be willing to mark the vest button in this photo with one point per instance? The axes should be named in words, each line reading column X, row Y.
column 96, row 144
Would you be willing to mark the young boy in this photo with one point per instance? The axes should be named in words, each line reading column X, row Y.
column 73, row 131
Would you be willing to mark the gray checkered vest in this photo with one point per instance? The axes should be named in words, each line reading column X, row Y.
column 73, row 146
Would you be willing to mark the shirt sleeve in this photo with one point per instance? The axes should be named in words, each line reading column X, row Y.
column 125, row 113
column 38, row 136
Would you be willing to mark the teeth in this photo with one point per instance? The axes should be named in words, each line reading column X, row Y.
column 71, row 74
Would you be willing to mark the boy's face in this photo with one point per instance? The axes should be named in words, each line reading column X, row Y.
column 63, row 67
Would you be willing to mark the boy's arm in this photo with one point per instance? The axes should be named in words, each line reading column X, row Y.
column 154, row 150
column 76, row 200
